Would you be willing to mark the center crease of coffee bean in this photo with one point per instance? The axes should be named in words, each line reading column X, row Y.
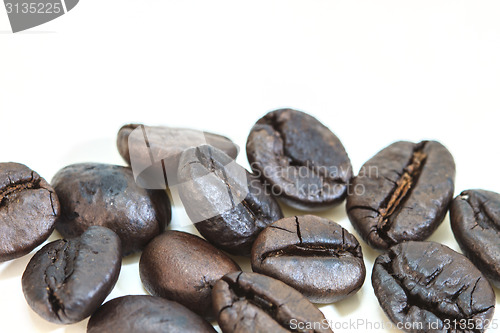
column 22, row 185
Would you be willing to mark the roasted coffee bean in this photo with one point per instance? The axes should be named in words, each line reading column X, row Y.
column 431, row 288
column 154, row 151
column 253, row 303
column 228, row 205
column 314, row 255
column 301, row 160
column 402, row 193
column 184, row 268
column 475, row 221
column 28, row 210
column 145, row 314
column 107, row 195
column 67, row 280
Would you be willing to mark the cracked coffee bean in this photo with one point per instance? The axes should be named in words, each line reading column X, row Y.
column 184, row 268
column 28, row 210
column 157, row 149
column 402, row 193
column 145, row 314
column 107, row 195
column 228, row 205
column 314, row 255
column 67, row 280
column 254, row 303
column 475, row 221
column 432, row 288
column 301, row 160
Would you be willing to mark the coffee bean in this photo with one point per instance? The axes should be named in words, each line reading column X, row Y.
column 145, row 314
column 402, row 193
column 300, row 159
column 28, row 210
column 107, row 195
column 250, row 302
column 475, row 220
column 184, row 268
column 67, row 280
column 154, row 151
column 314, row 255
column 431, row 288
column 228, row 205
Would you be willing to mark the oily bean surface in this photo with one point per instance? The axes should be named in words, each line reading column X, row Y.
column 402, row 193
column 428, row 284
column 228, row 205
column 28, row 210
column 107, row 195
column 475, row 221
column 145, row 314
column 251, row 302
column 184, row 268
column 314, row 255
column 67, row 280
column 300, row 159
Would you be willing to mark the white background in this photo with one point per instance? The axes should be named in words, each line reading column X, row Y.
column 373, row 71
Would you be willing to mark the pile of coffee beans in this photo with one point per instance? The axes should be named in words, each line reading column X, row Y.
column 396, row 201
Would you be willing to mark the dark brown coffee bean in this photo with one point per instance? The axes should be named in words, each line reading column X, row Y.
column 475, row 220
column 28, row 210
column 184, row 268
column 402, row 193
column 67, row 280
column 107, row 195
column 314, row 255
column 427, row 287
column 228, row 205
column 154, row 151
column 300, row 159
column 250, row 302
column 146, row 314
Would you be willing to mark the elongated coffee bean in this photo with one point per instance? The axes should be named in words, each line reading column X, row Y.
column 428, row 287
column 314, row 255
column 255, row 303
column 228, row 205
column 300, row 159
column 475, row 221
column 145, row 314
column 67, row 280
column 402, row 193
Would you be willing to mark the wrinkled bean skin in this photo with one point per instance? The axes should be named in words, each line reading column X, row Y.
column 67, row 280
column 428, row 283
column 29, row 208
column 301, row 160
column 145, row 314
column 228, row 205
column 254, row 303
column 107, row 195
column 402, row 193
column 184, row 268
column 475, row 221
column 314, row 255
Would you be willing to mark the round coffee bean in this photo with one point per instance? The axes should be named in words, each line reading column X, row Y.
column 316, row 256
column 300, row 159
column 402, row 193
column 250, row 302
column 145, row 314
column 427, row 287
column 228, row 205
column 107, row 195
column 67, row 280
column 28, row 210
column 475, row 220
column 184, row 268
